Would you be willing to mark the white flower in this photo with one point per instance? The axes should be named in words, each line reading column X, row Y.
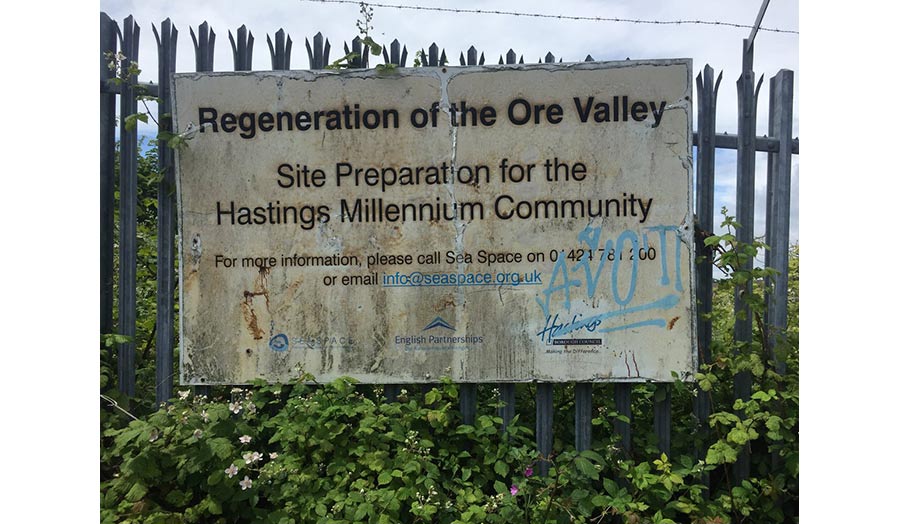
column 183, row 395
column 198, row 433
column 204, row 415
column 246, row 483
column 154, row 434
column 273, row 456
column 234, row 407
column 250, row 458
column 245, row 439
column 231, row 471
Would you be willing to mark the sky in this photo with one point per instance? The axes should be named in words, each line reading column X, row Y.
column 532, row 37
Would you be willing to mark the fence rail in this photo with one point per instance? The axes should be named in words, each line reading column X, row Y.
column 780, row 147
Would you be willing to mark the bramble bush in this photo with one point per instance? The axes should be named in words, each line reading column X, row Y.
column 338, row 453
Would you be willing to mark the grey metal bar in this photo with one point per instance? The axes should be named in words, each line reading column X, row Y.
column 204, row 47
column 108, row 30
column 362, row 54
column 508, row 400
column 764, row 144
column 471, row 57
column 583, row 411
column 707, row 90
column 467, row 402
column 393, row 55
column 128, row 213
column 280, row 51
column 622, row 395
column 432, row 59
column 391, row 392
column 662, row 417
column 318, row 53
column 746, row 165
column 544, row 430
column 145, row 87
column 166, row 44
column 779, row 208
column 759, row 19
column 707, row 93
column 242, row 49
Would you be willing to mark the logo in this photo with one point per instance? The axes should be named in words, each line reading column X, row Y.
column 439, row 322
column 279, row 343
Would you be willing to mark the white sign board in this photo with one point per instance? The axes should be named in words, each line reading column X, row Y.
column 490, row 224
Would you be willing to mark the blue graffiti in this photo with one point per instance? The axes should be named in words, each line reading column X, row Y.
column 565, row 279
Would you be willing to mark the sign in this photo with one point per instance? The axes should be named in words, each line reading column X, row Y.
column 490, row 224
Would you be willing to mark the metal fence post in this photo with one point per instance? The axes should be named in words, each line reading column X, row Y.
column 280, row 51
column 318, row 53
column 507, row 408
column 204, row 52
column 108, row 30
column 131, row 33
column 544, row 425
column 622, row 395
column 746, row 164
column 706, row 180
column 165, row 260
column 707, row 92
column 662, row 417
column 778, row 207
column 583, row 410
column 394, row 56
column 242, row 49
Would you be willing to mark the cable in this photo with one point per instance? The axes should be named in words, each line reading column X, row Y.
column 559, row 17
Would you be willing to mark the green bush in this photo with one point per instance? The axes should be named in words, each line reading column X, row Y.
column 338, row 452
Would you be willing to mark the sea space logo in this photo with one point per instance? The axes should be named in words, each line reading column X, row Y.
column 438, row 322
column 279, row 343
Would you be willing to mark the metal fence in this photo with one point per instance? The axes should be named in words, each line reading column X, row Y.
column 778, row 144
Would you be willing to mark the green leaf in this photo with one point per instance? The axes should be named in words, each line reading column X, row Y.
column 610, row 486
column 136, row 492
column 501, row 468
column 384, row 477
column 592, row 455
column 586, row 468
column 215, row 477
column 131, row 120
column 373, row 47
column 500, row 487
column 580, row 494
column 432, row 396
column 221, row 447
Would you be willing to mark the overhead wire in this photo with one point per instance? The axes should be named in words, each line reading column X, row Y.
column 559, row 17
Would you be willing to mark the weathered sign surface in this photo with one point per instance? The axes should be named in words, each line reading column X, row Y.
column 490, row 224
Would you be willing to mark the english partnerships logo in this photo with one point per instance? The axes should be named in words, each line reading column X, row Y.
column 438, row 322
column 436, row 335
